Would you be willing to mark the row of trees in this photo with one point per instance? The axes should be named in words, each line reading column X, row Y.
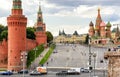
column 30, row 33
column 32, row 55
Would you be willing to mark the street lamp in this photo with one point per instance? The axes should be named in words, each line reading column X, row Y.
column 89, row 42
column 35, row 55
column 24, row 59
column 94, row 56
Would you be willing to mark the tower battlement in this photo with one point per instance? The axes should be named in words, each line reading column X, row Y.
column 111, row 54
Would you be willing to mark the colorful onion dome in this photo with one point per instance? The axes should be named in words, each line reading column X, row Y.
column 108, row 24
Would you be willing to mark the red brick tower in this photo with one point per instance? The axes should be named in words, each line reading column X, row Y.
column 40, row 33
column 16, row 36
column 98, row 21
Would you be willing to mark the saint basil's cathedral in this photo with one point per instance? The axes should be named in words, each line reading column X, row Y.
column 10, row 50
column 101, row 33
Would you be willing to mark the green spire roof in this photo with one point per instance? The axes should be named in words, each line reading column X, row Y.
column 108, row 24
column 17, row 4
column 39, row 10
column 39, row 18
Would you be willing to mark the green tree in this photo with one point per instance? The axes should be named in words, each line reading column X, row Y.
column 49, row 36
column 30, row 33
column 1, row 28
column 4, row 34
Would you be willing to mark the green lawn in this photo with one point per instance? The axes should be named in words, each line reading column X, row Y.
column 47, row 55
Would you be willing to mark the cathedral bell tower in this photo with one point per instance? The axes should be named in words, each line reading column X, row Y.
column 98, row 21
column 40, row 33
column 16, row 36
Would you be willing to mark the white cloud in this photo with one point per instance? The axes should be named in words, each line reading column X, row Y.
column 69, row 29
column 6, row 5
column 81, row 14
column 86, row 11
column 3, row 20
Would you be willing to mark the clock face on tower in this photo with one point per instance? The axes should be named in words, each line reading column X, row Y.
column 39, row 19
column 39, row 28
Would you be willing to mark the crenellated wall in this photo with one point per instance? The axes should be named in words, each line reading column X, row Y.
column 4, row 51
column 31, row 44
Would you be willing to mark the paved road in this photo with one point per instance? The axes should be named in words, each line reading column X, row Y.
column 76, row 55
column 53, row 74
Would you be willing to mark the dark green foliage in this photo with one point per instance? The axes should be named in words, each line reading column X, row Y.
column 47, row 55
column 3, row 32
column 49, row 36
column 31, row 54
column 30, row 33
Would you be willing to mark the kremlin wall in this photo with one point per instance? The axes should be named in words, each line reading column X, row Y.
column 11, row 49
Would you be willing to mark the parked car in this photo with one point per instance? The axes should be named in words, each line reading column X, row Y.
column 35, row 72
column 25, row 71
column 84, row 70
column 6, row 73
column 62, row 73
column 74, row 71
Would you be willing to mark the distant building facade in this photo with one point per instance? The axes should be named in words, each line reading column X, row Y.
column 69, row 38
column 10, row 51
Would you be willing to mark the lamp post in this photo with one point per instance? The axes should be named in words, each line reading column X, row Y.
column 89, row 42
column 35, row 55
column 94, row 56
column 23, row 59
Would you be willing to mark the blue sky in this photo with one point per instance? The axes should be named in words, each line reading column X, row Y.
column 69, row 15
